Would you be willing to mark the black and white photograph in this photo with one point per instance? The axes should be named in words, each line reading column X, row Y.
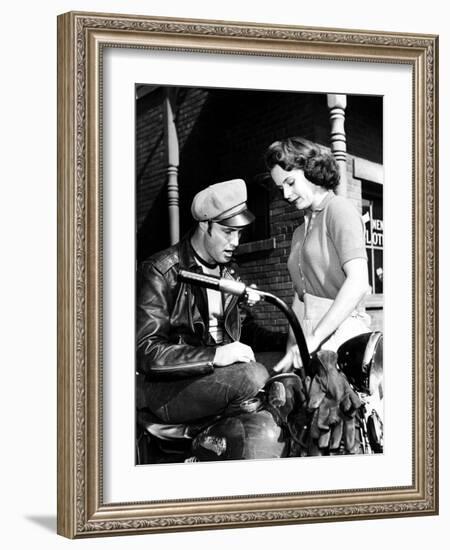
column 259, row 274
column 246, row 273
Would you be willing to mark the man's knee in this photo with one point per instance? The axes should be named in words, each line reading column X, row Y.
column 250, row 378
column 257, row 375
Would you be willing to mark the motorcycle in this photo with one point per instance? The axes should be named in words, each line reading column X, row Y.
column 291, row 415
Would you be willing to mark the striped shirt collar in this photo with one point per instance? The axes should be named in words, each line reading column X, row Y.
column 326, row 199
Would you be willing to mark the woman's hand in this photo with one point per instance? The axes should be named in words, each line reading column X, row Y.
column 292, row 359
column 313, row 343
column 285, row 364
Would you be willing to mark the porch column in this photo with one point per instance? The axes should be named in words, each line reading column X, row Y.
column 172, row 161
column 337, row 104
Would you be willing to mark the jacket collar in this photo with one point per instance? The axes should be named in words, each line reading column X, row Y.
column 187, row 258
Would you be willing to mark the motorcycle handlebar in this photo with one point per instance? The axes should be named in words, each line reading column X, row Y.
column 238, row 288
column 229, row 286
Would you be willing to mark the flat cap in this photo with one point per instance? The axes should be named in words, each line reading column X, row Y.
column 224, row 203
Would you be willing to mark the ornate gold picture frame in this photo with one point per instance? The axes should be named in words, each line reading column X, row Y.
column 83, row 511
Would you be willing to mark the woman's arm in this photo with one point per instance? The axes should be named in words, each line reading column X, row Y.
column 346, row 230
column 350, row 294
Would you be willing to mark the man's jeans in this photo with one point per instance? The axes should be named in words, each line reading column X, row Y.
column 221, row 392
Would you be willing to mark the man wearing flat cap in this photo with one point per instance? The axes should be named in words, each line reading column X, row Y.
column 191, row 364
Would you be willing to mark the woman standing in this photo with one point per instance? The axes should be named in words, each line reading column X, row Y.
column 328, row 261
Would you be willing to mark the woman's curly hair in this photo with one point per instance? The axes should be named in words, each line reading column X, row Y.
column 319, row 167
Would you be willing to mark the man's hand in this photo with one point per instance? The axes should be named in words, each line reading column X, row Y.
column 251, row 297
column 233, row 353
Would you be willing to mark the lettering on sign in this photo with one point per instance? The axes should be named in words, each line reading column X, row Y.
column 374, row 231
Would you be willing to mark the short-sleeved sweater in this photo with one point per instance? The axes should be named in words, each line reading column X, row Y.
column 335, row 235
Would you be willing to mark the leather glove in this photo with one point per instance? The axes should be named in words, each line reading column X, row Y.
column 334, row 403
column 286, row 394
column 286, row 399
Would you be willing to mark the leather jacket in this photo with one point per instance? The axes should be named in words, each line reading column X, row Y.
column 172, row 316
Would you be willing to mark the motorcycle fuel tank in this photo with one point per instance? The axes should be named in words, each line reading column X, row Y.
column 245, row 436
